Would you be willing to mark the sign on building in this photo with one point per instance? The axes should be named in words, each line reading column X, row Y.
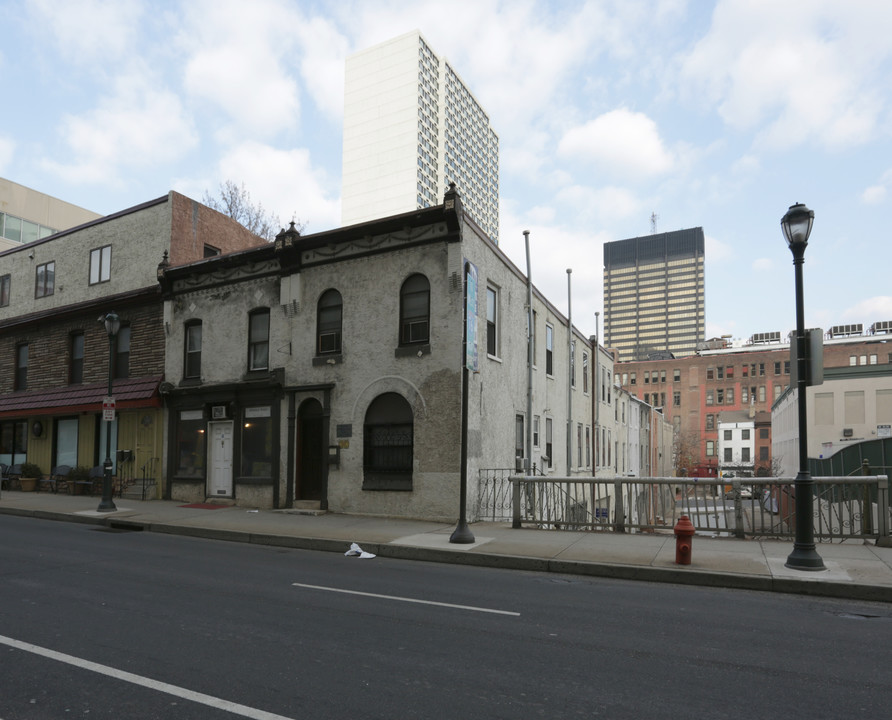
column 471, row 316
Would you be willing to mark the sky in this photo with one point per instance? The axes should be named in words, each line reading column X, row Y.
column 613, row 117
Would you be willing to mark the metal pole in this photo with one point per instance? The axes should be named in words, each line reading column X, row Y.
column 107, row 504
column 462, row 533
column 804, row 555
column 569, row 376
column 595, row 393
column 528, row 460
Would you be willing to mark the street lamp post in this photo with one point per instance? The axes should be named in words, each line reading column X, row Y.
column 107, row 504
column 796, row 224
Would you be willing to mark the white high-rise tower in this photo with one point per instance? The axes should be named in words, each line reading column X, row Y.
column 412, row 127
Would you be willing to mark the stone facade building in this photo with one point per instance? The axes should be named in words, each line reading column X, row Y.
column 327, row 370
column 321, row 370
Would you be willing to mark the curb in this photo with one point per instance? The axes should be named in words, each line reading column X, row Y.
column 615, row 571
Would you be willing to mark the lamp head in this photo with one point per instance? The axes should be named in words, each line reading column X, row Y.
column 112, row 324
column 796, row 225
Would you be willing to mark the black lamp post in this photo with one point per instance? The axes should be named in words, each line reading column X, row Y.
column 107, row 504
column 796, row 225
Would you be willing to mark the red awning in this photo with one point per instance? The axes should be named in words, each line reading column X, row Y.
column 128, row 393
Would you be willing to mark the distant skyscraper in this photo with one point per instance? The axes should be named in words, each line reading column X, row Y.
column 654, row 294
column 411, row 127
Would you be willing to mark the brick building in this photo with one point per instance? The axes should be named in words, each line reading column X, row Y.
column 54, row 348
column 695, row 392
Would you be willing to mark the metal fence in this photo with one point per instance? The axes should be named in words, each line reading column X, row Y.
column 844, row 508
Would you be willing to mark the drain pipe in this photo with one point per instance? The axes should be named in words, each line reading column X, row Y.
column 569, row 376
column 528, row 460
column 596, row 352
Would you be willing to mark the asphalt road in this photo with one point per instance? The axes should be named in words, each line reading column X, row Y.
column 116, row 624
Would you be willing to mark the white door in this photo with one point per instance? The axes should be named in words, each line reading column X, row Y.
column 220, row 460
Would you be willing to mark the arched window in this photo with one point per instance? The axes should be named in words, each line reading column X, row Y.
column 415, row 310
column 329, row 312
column 388, row 441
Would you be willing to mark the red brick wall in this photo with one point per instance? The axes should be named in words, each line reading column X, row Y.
column 693, row 383
column 194, row 225
column 49, row 349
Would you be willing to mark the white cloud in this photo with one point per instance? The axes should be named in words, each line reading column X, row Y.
column 814, row 72
column 604, row 204
column 870, row 310
column 238, row 60
column 620, row 142
column 139, row 126
column 86, row 31
column 553, row 249
column 875, row 194
column 717, row 251
column 323, row 49
column 763, row 265
column 285, row 182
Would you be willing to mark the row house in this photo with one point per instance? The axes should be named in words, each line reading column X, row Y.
column 326, row 370
column 321, row 370
column 57, row 356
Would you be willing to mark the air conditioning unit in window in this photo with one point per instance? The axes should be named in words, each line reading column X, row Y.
column 329, row 342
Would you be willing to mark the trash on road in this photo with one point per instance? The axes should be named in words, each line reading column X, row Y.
column 358, row 552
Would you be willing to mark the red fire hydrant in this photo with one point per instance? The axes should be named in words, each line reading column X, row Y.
column 684, row 539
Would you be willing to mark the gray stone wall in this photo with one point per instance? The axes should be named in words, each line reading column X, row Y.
column 138, row 240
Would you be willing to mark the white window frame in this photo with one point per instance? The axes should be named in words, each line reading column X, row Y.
column 100, row 264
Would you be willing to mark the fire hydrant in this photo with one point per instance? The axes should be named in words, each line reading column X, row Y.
column 684, row 539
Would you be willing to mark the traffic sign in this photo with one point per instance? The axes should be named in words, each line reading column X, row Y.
column 108, row 409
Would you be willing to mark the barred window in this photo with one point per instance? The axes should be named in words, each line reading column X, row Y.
column 388, row 444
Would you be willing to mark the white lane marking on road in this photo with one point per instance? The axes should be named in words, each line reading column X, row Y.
column 405, row 599
column 180, row 692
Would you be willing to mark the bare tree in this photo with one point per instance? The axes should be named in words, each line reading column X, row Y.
column 235, row 201
column 685, row 451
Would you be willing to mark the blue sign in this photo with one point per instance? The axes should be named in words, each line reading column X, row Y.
column 471, row 316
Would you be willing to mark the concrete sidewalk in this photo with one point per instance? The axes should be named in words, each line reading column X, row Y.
column 859, row 571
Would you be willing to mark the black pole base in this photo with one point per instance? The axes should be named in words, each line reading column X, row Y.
column 462, row 534
column 107, row 504
column 804, row 557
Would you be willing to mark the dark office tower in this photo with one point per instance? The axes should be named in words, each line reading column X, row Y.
column 654, row 295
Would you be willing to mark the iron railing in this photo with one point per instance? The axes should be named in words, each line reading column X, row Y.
column 493, row 500
column 844, row 508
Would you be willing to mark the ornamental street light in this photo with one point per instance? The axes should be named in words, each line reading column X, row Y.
column 107, row 504
column 796, row 225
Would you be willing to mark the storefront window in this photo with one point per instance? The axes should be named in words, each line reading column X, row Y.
column 13, row 442
column 191, row 444
column 257, row 442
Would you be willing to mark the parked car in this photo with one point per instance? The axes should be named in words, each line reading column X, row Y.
column 746, row 493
